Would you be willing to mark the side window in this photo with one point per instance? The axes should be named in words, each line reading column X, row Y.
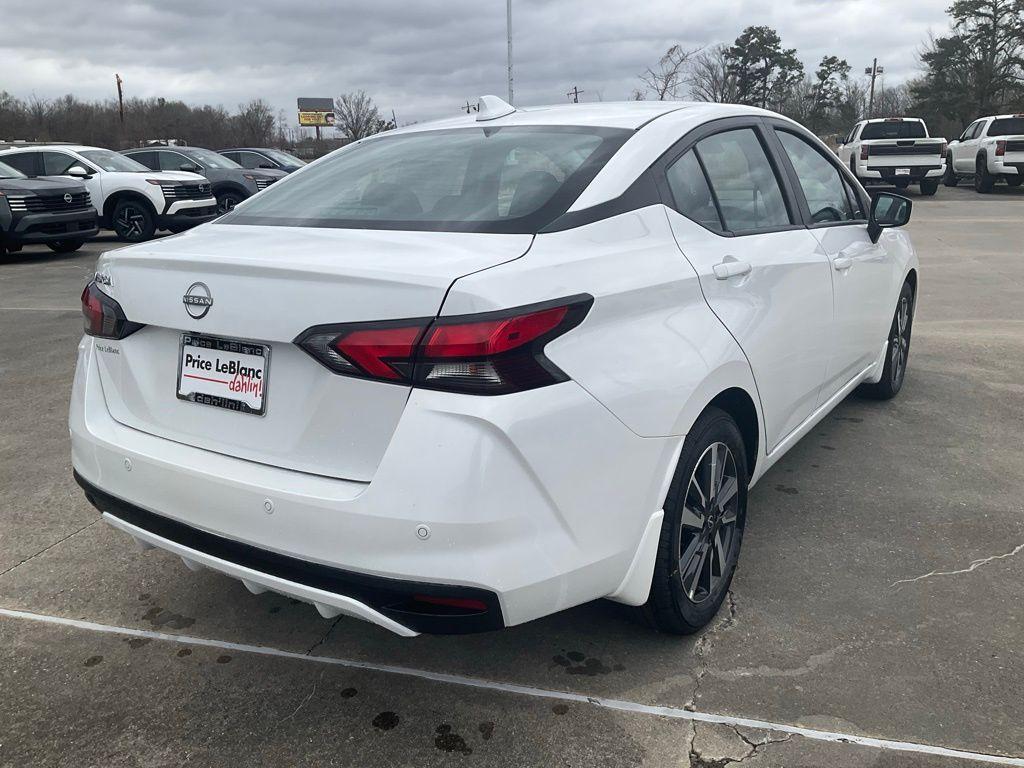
column 973, row 131
column 22, row 161
column 250, row 159
column 745, row 185
column 148, row 159
column 172, row 161
column 57, row 163
column 691, row 192
column 820, row 180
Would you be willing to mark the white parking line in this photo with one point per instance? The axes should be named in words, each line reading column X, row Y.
column 526, row 690
column 40, row 309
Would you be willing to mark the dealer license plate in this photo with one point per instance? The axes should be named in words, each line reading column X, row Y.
column 224, row 373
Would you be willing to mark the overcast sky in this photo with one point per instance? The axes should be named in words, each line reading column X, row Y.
column 422, row 59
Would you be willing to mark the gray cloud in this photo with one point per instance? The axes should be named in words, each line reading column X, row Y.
column 421, row 59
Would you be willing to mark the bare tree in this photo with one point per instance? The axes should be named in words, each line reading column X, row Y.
column 666, row 79
column 710, row 78
column 255, row 122
column 357, row 116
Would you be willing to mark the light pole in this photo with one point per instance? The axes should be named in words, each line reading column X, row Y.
column 874, row 70
column 508, row 27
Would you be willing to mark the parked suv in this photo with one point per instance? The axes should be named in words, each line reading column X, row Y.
column 465, row 374
column 131, row 199
column 57, row 213
column 897, row 151
column 990, row 150
column 231, row 183
column 261, row 157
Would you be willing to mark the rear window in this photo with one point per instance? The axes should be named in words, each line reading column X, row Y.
column 908, row 129
column 1006, row 126
column 507, row 179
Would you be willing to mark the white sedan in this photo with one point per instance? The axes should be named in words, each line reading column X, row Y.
column 465, row 374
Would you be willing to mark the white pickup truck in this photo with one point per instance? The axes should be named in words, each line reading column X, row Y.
column 896, row 151
column 992, row 148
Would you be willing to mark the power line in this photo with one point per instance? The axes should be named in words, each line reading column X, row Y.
column 574, row 94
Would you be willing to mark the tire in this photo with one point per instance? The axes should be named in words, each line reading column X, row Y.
column 897, row 350
column 929, row 187
column 65, row 246
column 983, row 180
column 227, row 200
column 1015, row 181
column 133, row 221
column 684, row 598
column 949, row 177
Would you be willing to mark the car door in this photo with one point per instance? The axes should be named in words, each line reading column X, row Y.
column 762, row 272
column 836, row 215
column 57, row 163
column 847, row 149
column 966, row 150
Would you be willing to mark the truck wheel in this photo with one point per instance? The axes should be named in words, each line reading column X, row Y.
column 949, row 178
column 929, row 187
column 983, row 180
column 133, row 221
column 65, row 246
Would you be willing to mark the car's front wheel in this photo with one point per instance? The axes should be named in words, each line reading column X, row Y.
column 702, row 530
column 133, row 221
column 226, row 201
column 897, row 351
column 65, row 246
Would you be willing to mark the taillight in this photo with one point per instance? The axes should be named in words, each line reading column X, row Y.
column 104, row 317
column 942, row 149
column 1000, row 148
column 864, row 149
column 492, row 353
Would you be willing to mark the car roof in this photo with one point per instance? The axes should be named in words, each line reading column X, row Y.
column 630, row 115
column 249, row 149
column 49, row 147
column 895, row 119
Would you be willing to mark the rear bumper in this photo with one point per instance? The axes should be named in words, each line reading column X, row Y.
column 531, row 503
column 887, row 174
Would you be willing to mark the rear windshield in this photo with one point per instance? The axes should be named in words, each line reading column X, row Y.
column 1006, row 126
column 910, row 129
column 508, row 179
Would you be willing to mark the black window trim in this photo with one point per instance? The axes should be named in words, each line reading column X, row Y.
column 725, row 125
column 830, row 157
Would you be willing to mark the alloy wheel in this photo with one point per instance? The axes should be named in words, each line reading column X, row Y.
column 130, row 222
column 899, row 341
column 709, row 519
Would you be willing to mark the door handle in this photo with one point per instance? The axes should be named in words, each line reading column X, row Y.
column 842, row 263
column 728, row 269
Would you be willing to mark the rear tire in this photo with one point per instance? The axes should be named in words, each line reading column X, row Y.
column 949, row 177
column 133, row 221
column 929, row 187
column 897, row 350
column 983, row 180
column 65, row 246
column 702, row 530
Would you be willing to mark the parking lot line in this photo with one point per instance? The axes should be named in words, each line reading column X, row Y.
column 525, row 690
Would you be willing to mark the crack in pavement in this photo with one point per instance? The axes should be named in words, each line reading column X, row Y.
column 704, row 644
column 704, row 759
column 49, row 547
column 326, row 634
column 973, row 566
column 305, row 700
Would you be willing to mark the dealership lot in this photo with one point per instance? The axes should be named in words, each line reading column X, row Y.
column 879, row 594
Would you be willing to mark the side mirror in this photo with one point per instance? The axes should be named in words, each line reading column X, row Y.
column 189, row 167
column 78, row 172
column 887, row 211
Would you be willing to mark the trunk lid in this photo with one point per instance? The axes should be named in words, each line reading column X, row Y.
column 268, row 284
column 904, row 153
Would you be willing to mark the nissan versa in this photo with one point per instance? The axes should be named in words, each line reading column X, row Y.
column 465, row 374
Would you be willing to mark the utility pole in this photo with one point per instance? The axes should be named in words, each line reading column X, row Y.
column 508, row 28
column 874, row 70
column 120, row 96
column 574, row 94
column 470, row 108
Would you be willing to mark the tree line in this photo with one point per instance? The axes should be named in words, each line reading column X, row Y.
column 976, row 69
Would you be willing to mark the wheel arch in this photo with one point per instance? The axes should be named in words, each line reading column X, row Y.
column 126, row 194
column 230, row 186
column 738, row 403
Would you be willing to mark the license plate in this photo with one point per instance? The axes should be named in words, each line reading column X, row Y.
column 902, row 171
column 224, row 373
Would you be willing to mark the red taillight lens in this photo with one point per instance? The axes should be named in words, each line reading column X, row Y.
column 104, row 317
column 864, row 149
column 1000, row 148
column 460, row 603
column 492, row 353
column 942, row 149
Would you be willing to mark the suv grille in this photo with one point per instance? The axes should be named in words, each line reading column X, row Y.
column 49, row 203
column 174, row 191
column 887, row 151
column 262, row 183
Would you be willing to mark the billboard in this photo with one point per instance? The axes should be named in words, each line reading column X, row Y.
column 316, row 112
